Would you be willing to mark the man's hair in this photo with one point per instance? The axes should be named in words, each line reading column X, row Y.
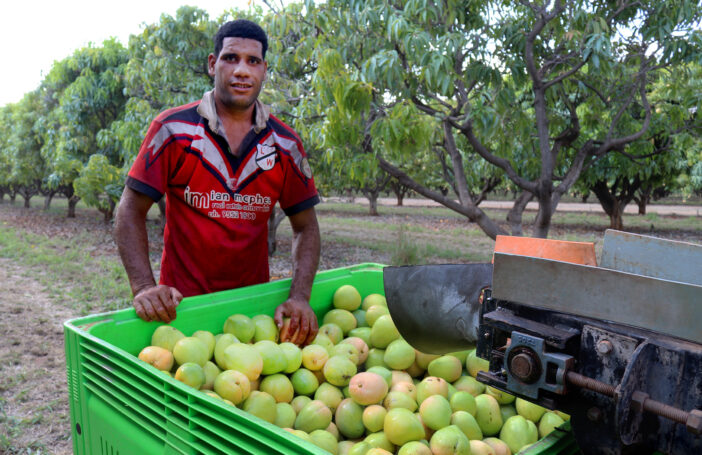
column 240, row 28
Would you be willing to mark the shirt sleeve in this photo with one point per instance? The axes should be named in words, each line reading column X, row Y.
column 299, row 192
column 149, row 172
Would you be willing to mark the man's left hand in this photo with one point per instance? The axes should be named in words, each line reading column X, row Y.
column 303, row 322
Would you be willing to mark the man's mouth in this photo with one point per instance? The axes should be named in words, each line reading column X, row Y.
column 240, row 85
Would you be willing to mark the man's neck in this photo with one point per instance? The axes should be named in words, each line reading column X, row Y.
column 230, row 117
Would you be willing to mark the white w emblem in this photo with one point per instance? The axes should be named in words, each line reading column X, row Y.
column 265, row 157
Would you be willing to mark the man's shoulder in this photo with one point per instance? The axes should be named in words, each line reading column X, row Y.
column 281, row 129
column 184, row 113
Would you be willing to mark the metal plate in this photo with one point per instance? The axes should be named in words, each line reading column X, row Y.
column 435, row 307
column 651, row 256
column 656, row 304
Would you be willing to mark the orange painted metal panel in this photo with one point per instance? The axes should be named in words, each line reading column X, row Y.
column 558, row 250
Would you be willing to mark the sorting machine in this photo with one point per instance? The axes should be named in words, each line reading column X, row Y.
column 618, row 345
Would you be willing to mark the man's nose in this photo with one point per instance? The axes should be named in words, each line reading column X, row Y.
column 241, row 69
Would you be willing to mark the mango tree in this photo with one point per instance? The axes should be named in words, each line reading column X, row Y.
column 513, row 80
column 100, row 185
column 686, row 116
column 60, row 76
column 288, row 90
column 90, row 97
column 654, row 164
column 5, row 157
column 24, row 148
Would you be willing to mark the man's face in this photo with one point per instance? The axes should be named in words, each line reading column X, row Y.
column 238, row 71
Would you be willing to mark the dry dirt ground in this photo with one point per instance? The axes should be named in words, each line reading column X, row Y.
column 33, row 394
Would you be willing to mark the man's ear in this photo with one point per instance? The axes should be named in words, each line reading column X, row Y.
column 211, row 60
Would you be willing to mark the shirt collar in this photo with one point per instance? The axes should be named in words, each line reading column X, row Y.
column 208, row 111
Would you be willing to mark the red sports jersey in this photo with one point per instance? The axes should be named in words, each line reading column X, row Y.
column 218, row 204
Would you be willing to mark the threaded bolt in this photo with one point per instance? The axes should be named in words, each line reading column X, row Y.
column 590, row 384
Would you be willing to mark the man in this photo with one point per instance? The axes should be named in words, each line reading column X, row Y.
column 223, row 163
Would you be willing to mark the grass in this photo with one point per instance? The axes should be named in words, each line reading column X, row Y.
column 447, row 236
column 59, row 206
column 70, row 271
column 594, row 221
column 427, row 244
column 14, row 427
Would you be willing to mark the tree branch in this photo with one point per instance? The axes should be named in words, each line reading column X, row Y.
column 610, row 144
column 505, row 165
column 471, row 212
column 271, row 7
column 424, row 107
column 464, row 196
column 597, row 92
column 565, row 75
column 542, row 19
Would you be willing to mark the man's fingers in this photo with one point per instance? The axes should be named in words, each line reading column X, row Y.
column 139, row 308
column 161, row 304
column 157, row 303
column 171, row 310
column 311, row 335
column 304, row 330
column 149, row 309
column 313, row 330
column 177, row 297
column 278, row 317
column 172, row 303
column 294, row 323
column 314, row 326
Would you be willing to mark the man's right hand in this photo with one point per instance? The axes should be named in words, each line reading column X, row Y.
column 157, row 303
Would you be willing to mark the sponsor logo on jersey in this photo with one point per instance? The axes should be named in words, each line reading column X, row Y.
column 203, row 200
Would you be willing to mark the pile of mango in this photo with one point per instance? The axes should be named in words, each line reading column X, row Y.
column 359, row 388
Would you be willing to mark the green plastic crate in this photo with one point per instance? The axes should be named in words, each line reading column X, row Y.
column 122, row 406
column 559, row 442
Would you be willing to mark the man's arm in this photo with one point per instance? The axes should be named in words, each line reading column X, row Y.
column 305, row 255
column 152, row 302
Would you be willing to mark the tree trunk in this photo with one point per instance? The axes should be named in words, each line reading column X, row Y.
column 13, row 196
column 72, row 202
column 615, row 200
column 470, row 211
column 610, row 204
column 27, row 197
column 373, row 203
column 400, row 191
column 108, row 211
column 48, row 198
column 273, row 223
column 514, row 217
column 616, row 220
column 642, row 206
column 542, row 223
column 643, row 199
column 373, row 191
column 162, row 213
